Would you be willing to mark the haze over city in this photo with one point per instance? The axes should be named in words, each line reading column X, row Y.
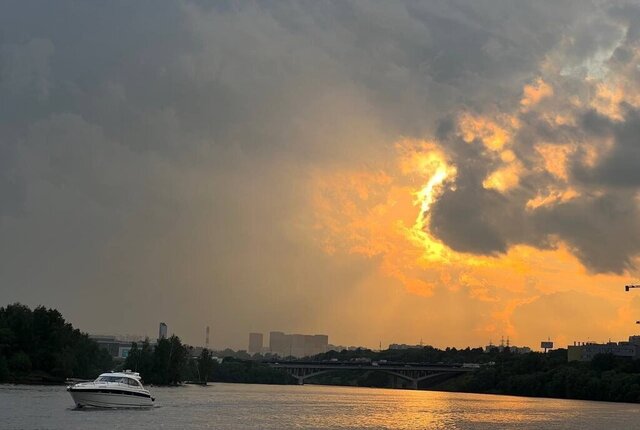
column 379, row 172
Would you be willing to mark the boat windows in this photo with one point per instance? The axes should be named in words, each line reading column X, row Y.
column 132, row 382
column 119, row 379
column 110, row 379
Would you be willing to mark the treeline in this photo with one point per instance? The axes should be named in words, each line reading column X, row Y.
column 534, row 374
column 40, row 346
column 606, row 377
column 163, row 364
column 245, row 371
column 426, row 354
column 170, row 362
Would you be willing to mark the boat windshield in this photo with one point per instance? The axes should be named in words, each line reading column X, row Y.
column 119, row 379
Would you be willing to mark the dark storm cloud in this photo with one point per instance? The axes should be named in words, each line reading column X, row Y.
column 619, row 167
column 601, row 223
column 156, row 150
column 603, row 231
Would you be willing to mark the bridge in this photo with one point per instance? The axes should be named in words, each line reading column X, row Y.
column 413, row 373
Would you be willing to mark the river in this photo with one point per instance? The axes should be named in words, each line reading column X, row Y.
column 239, row 406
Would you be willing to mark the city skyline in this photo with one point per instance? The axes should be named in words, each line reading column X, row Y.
column 378, row 171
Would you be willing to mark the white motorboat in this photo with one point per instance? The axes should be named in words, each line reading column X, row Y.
column 112, row 390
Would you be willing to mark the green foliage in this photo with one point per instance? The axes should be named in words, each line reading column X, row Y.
column 41, row 341
column 426, row 354
column 235, row 370
column 20, row 362
column 606, row 377
column 166, row 364
column 205, row 365
column 603, row 362
column 4, row 369
column 140, row 359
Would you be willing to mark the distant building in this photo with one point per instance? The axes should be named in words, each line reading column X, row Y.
column 315, row 344
column 279, row 344
column 255, row 343
column 162, row 331
column 297, row 345
column 336, row 348
column 520, row 349
column 512, row 348
column 404, row 346
column 118, row 347
column 634, row 340
column 585, row 351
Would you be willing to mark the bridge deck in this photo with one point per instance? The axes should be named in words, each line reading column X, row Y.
column 368, row 366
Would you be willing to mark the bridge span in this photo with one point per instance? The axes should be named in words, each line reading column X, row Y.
column 413, row 373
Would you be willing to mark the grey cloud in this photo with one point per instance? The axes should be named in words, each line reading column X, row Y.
column 604, row 231
column 619, row 167
column 25, row 68
column 600, row 225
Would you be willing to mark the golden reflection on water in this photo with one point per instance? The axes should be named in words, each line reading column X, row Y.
column 402, row 409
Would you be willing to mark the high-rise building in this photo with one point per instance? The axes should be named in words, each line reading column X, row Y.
column 162, row 331
column 255, row 343
column 297, row 345
column 316, row 344
column 279, row 344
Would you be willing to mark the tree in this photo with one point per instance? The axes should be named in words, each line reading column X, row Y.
column 41, row 341
column 4, row 369
column 205, row 365
column 169, row 361
column 603, row 362
column 20, row 362
column 178, row 355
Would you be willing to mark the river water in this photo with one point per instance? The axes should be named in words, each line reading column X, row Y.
column 239, row 406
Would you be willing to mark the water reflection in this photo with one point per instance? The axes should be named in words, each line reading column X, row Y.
column 237, row 406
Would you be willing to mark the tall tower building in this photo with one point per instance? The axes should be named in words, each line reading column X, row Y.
column 279, row 343
column 162, row 331
column 255, row 343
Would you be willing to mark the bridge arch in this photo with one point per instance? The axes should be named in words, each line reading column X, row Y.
column 413, row 380
column 412, row 373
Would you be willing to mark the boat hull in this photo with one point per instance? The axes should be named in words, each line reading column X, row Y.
column 105, row 398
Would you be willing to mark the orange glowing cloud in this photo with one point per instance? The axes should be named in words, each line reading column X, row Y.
column 504, row 178
column 555, row 159
column 608, row 98
column 552, row 196
column 385, row 214
column 493, row 135
column 534, row 93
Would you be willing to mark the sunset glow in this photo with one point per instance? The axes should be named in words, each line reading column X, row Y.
column 510, row 284
column 379, row 172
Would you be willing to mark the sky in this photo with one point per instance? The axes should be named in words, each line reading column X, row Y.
column 451, row 172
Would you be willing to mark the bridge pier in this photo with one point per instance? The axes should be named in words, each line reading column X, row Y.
column 413, row 385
